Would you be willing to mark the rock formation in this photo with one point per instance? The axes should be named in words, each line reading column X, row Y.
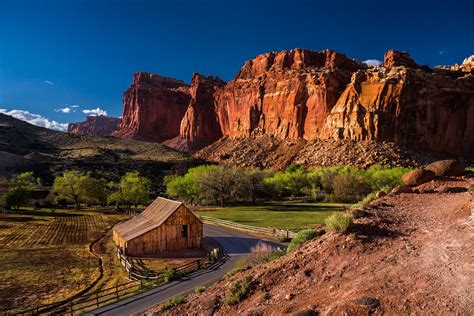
column 199, row 126
column 97, row 125
column 153, row 107
column 309, row 95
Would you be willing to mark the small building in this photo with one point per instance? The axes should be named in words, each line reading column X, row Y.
column 42, row 198
column 164, row 226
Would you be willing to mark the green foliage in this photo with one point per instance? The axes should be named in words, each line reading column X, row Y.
column 170, row 275
column 339, row 222
column 264, row 295
column 348, row 188
column 238, row 290
column 369, row 198
column 220, row 185
column 78, row 187
column 131, row 190
column 292, row 181
column 173, row 302
column 19, row 189
column 199, row 289
column 301, row 238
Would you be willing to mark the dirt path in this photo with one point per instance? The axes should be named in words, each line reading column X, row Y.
column 412, row 254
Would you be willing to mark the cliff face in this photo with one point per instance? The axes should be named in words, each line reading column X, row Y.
column 309, row 95
column 408, row 106
column 153, row 107
column 97, row 125
column 285, row 94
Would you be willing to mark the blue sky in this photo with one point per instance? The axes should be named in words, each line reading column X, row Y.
column 56, row 54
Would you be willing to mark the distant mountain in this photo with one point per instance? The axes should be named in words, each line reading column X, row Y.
column 26, row 147
column 95, row 125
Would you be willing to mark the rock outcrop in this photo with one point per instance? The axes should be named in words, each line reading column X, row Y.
column 153, row 108
column 199, row 126
column 308, row 95
column 96, row 125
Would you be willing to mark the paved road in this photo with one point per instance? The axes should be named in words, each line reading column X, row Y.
column 236, row 244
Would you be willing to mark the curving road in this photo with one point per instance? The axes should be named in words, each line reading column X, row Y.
column 235, row 244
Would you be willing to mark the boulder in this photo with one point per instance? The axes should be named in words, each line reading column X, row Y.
column 401, row 189
column 446, row 168
column 417, row 177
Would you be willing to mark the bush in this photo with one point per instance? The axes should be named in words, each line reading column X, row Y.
column 260, row 253
column 301, row 238
column 238, row 291
column 170, row 275
column 349, row 188
column 283, row 238
column 339, row 222
column 369, row 198
column 199, row 289
column 172, row 302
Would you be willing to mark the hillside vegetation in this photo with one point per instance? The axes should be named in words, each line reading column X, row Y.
column 25, row 147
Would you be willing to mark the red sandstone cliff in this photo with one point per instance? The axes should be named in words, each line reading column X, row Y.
column 153, row 107
column 98, row 125
column 309, row 95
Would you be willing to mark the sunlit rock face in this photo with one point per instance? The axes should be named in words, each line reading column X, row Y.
column 310, row 95
column 153, row 107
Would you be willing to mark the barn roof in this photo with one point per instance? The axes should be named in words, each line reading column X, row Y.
column 152, row 217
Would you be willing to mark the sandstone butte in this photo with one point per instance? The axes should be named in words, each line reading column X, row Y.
column 97, row 125
column 310, row 95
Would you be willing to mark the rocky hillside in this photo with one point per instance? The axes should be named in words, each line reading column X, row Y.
column 95, row 125
column 407, row 254
column 25, row 147
column 309, row 96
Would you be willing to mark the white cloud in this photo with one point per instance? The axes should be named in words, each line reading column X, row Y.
column 442, row 52
column 372, row 62
column 49, row 82
column 75, row 106
column 95, row 112
column 35, row 119
column 65, row 110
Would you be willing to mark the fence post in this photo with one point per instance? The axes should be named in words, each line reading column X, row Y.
column 198, row 264
column 287, row 234
column 71, row 310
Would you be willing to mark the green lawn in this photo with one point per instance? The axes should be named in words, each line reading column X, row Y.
column 293, row 216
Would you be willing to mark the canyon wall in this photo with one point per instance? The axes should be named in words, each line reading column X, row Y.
column 310, row 95
column 153, row 107
column 97, row 125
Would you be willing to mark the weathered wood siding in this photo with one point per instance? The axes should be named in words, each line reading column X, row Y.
column 167, row 237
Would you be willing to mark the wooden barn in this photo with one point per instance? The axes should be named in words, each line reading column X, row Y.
column 164, row 226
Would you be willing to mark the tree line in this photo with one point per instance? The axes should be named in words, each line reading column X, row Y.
column 221, row 185
column 78, row 188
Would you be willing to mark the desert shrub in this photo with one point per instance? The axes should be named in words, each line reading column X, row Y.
column 276, row 254
column 172, row 302
column 283, row 238
column 264, row 295
column 369, row 198
column 301, row 238
column 199, row 289
column 260, row 253
column 240, row 265
column 349, row 188
column 339, row 222
column 238, row 290
column 170, row 275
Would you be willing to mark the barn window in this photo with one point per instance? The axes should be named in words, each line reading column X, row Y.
column 184, row 231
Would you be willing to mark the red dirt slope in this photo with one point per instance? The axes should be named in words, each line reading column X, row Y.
column 412, row 254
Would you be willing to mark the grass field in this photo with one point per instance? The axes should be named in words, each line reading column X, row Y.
column 45, row 258
column 293, row 216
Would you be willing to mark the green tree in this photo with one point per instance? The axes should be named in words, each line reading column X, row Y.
column 78, row 187
column 292, row 181
column 131, row 190
column 19, row 189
